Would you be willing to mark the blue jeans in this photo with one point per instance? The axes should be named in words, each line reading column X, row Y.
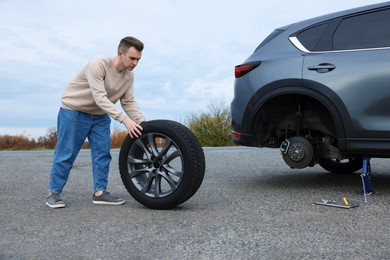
column 73, row 127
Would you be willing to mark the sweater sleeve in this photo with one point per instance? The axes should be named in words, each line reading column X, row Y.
column 95, row 74
column 131, row 107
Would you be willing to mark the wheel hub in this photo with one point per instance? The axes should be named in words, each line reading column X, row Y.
column 298, row 153
column 156, row 164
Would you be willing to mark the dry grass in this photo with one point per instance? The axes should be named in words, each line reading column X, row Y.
column 117, row 138
column 21, row 142
column 17, row 142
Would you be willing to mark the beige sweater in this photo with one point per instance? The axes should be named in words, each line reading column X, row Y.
column 97, row 88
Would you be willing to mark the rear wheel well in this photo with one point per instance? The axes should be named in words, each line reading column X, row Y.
column 291, row 115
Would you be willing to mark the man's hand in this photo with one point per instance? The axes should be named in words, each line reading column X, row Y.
column 133, row 128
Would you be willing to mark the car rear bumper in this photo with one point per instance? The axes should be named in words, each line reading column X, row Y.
column 242, row 139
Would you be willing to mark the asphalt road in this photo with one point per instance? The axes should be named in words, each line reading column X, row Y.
column 250, row 206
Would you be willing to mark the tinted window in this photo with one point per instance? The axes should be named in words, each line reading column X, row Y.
column 364, row 31
column 310, row 37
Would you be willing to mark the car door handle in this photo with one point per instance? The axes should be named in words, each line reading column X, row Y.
column 323, row 67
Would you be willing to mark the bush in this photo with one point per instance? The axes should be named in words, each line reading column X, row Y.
column 117, row 138
column 16, row 142
column 50, row 140
column 212, row 128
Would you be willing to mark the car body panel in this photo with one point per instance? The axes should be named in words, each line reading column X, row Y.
column 357, row 79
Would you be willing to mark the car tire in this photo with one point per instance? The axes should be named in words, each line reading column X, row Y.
column 346, row 166
column 164, row 167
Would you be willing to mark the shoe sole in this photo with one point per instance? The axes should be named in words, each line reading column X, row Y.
column 97, row 202
column 56, row 206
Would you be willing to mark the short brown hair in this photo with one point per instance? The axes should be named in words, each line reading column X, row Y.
column 128, row 42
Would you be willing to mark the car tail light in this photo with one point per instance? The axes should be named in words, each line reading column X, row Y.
column 236, row 135
column 241, row 70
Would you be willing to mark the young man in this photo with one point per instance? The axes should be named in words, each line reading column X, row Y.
column 88, row 103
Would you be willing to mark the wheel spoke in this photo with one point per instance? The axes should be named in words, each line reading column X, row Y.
column 172, row 170
column 153, row 146
column 136, row 173
column 133, row 160
column 166, row 147
column 148, row 184
column 171, row 182
column 157, row 186
column 172, row 156
column 145, row 150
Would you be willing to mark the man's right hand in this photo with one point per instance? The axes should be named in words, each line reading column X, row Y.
column 133, row 128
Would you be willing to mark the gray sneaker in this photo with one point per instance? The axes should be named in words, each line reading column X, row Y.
column 54, row 201
column 107, row 199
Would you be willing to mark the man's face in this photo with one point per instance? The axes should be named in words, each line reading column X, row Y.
column 130, row 58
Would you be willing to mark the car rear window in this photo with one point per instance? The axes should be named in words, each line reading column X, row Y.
column 310, row 37
column 371, row 30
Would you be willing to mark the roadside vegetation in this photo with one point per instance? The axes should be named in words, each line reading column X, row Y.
column 21, row 142
column 212, row 128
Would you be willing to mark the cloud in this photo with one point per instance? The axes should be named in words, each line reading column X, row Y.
column 191, row 48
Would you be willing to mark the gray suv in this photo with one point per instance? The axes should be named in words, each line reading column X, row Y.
column 319, row 90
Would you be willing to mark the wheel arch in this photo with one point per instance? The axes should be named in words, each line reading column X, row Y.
column 319, row 93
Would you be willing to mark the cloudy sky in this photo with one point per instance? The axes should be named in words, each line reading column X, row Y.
column 191, row 48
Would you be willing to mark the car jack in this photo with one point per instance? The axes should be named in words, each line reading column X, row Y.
column 366, row 178
column 367, row 189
